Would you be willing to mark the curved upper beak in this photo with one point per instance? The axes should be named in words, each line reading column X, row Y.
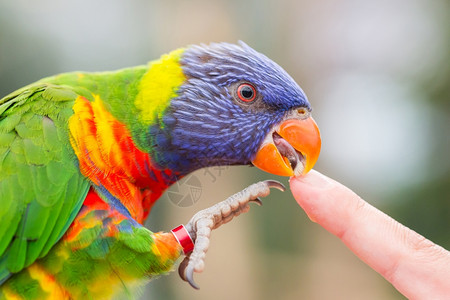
column 290, row 150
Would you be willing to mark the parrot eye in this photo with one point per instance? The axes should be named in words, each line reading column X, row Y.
column 246, row 92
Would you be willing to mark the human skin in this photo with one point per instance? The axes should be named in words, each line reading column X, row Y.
column 415, row 266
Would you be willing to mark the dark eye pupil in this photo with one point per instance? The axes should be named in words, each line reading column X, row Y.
column 247, row 92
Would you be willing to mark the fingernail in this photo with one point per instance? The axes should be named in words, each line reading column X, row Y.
column 314, row 179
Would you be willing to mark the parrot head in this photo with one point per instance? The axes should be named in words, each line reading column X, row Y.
column 234, row 106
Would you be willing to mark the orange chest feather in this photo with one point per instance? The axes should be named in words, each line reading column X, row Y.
column 108, row 157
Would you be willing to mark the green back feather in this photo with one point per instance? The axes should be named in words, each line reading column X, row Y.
column 41, row 188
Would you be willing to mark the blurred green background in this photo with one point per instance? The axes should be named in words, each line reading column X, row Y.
column 377, row 74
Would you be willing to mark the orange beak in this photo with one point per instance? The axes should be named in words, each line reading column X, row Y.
column 292, row 150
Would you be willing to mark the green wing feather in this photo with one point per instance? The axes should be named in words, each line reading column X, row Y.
column 41, row 188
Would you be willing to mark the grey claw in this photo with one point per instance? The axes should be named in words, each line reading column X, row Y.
column 275, row 184
column 182, row 268
column 257, row 201
column 189, row 275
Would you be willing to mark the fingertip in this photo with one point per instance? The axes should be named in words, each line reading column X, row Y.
column 322, row 198
column 307, row 190
column 303, row 186
column 313, row 179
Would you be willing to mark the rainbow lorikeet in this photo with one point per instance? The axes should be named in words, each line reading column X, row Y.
column 84, row 156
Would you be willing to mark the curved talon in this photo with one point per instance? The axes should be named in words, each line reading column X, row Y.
column 182, row 268
column 189, row 275
column 257, row 201
column 275, row 184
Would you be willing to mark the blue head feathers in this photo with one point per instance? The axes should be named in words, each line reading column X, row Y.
column 231, row 99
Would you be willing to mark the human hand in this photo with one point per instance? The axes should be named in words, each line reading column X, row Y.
column 418, row 268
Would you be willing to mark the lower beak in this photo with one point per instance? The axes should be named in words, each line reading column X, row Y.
column 292, row 150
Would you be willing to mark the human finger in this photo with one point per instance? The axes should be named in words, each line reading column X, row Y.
column 417, row 267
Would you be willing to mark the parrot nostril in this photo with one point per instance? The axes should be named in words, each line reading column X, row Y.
column 301, row 111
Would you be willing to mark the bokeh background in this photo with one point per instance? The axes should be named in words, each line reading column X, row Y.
column 377, row 74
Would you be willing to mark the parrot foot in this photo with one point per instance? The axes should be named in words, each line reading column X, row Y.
column 203, row 222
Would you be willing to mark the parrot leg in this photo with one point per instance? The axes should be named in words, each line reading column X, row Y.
column 203, row 222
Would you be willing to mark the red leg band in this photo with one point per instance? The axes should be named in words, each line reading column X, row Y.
column 183, row 238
